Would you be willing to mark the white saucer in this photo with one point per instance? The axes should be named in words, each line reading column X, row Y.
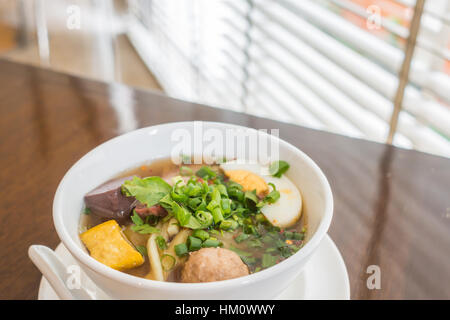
column 324, row 277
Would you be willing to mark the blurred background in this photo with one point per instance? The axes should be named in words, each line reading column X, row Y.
column 332, row 65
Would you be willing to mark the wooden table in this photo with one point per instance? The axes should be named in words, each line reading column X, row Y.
column 392, row 206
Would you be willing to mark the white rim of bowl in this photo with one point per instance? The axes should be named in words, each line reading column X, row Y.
column 137, row 282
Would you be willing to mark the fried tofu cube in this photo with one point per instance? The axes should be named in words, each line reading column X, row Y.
column 107, row 245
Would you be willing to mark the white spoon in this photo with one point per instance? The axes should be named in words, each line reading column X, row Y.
column 56, row 273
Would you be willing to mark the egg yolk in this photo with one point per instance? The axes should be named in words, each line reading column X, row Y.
column 249, row 181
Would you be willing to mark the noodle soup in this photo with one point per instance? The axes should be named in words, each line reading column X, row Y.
column 194, row 223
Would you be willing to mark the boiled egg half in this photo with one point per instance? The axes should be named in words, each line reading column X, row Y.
column 283, row 213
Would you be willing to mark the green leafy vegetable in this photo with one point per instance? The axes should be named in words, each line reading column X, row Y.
column 148, row 190
column 145, row 229
column 87, row 211
column 273, row 196
column 277, row 168
column 137, row 219
column 140, row 226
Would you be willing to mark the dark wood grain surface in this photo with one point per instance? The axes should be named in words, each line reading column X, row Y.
column 392, row 206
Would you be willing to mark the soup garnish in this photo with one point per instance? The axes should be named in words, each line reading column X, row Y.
column 236, row 218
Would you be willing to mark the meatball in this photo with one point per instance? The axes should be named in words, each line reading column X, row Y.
column 213, row 264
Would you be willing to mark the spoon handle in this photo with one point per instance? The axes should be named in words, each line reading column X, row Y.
column 55, row 271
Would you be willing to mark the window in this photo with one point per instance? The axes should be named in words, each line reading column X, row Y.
column 327, row 64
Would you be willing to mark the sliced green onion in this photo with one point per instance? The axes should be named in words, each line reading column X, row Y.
column 298, row 236
column 214, row 207
column 255, row 243
column 205, row 187
column 178, row 182
column 210, row 243
column 248, row 260
column 194, row 203
column 286, row 252
column 237, row 194
column 260, row 217
column 251, row 195
column 249, row 229
column 181, row 249
column 204, row 217
column 178, row 196
column 267, row 238
column 272, row 197
column 280, row 243
column 194, row 190
column 241, row 252
column 194, row 243
column 226, row 205
column 161, row 242
column 268, row 260
column 201, row 234
column 222, row 189
column 142, row 250
column 228, row 224
column 168, row 262
column 289, row 235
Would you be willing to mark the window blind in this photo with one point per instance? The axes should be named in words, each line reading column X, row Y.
column 314, row 63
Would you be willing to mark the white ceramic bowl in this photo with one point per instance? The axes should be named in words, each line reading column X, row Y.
column 143, row 145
